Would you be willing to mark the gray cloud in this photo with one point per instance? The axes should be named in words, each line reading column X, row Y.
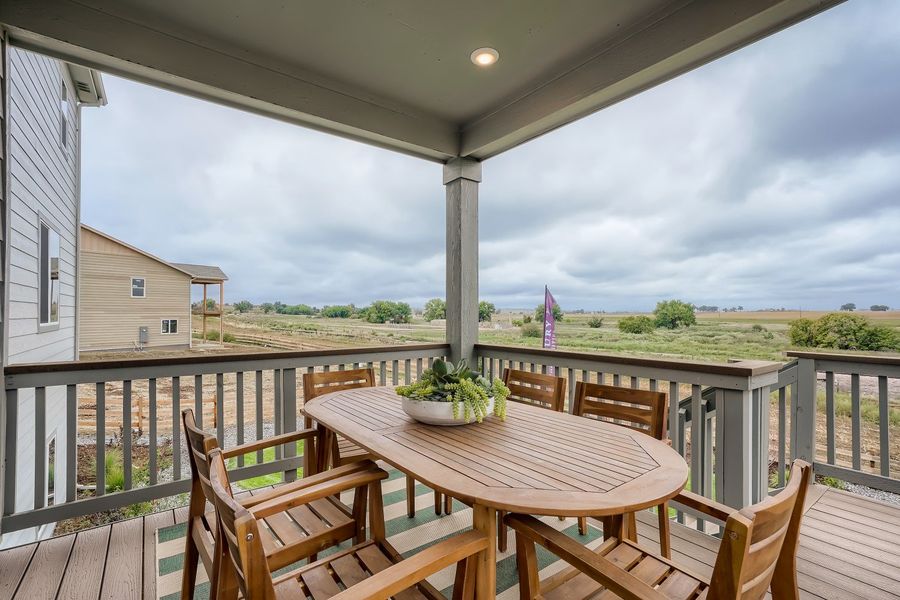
column 768, row 178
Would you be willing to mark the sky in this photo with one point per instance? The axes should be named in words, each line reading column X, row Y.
column 769, row 178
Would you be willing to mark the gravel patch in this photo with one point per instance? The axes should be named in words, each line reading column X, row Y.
column 868, row 492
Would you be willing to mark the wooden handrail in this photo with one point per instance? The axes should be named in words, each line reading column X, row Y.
column 848, row 356
column 129, row 363
column 746, row 368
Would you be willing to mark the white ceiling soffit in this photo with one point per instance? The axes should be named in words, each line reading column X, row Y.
column 397, row 74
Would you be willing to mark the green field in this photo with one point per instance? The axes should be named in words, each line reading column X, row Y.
column 717, row 336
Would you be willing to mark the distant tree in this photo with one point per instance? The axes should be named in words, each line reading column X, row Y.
column 879, row 307
column 296, row 309
column 243, row 306
column 278, row 307
column 210, row 305
column 435, row 309
column 705, row 308
column 636, row 324
column 485, row 310
column 539, row 312
column 387, row 311
column 267, row 307
column 338, row 311
column 848, row 306
column 672, row 314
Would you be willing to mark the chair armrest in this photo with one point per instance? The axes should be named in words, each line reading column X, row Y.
column 704, row 505
column 317, row 490
column 597, row 567
column 285, row 438
column 306, row 482
column 406, row 573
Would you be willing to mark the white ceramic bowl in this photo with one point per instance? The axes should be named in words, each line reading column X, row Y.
column 438, row 413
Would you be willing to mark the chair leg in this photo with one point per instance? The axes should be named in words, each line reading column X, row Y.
column 582, row 526
column 631, row 527
column 189, row 570
column 501, row 531
column 526, row 561
column 665, row 541
column 438, row 498
column 464, row 583
column 360, row 500
column 410, row 497
column 448, row 504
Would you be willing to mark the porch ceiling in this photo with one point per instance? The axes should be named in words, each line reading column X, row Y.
column 398, row 74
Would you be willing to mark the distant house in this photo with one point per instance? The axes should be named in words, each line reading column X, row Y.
column 131, row 299
column 46, row 96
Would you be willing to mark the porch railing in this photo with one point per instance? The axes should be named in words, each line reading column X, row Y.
column 274, row 380
column 880, row 375
column 726, row 449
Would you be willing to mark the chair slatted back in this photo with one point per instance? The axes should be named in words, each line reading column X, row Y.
column 759, row 548
column 316, row 384
column 640, row 410
column 547, row 391
column 241, row 532
column 199, row 444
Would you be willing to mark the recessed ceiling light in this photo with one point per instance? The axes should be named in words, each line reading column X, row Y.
column 485, row 57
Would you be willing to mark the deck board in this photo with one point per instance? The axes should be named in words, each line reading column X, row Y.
column 831, row 565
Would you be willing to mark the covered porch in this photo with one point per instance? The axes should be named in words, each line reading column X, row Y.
column 726, row 419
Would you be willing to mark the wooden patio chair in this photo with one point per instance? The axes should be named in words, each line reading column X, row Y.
column 369, row 569
column 758, row 554
column 640, row 410
column 343, row 451
column 287, row 536
column 537, row 389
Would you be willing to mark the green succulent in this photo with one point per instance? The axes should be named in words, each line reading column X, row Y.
column 466, row 389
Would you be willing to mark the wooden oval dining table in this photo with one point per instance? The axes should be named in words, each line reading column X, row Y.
column 537, row 461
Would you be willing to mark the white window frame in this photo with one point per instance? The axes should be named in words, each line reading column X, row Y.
column 131, row 288
column 48, row 325
column 162, row 327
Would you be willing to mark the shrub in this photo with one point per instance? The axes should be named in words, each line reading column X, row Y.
column 213, row 336
column 518, row 322
column 532, row 330
column 526, row 319
column 296, row 309
column 802, row 333
column 485, row 310
column 539, row 313
column 757, row 328
column 672, row 314
column 243, row 306
column 843, row 332
column 387, row 311
column 114, row 470
column 636, row 324
column 267, row 307
column 338, row 311
column 435, row 309
column 595, row 322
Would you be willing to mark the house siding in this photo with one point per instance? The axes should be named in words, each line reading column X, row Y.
column 43, row 184
column 109, row 316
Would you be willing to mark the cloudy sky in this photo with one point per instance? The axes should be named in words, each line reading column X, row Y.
column 768, row 178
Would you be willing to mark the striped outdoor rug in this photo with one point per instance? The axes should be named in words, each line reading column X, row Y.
column 408, row 536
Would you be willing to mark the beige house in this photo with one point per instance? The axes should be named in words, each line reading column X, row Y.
column 130, row 299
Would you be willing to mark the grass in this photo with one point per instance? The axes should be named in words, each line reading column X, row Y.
column 868, row 408
column 262, row 480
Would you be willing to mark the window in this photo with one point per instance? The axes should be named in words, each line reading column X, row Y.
column 138, row 287
column 51, row 472
column 49, row 282
column 169, row 326
column 63, row 111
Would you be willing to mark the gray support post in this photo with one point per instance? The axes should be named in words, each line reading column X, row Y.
column 289, row 415
column 761, row 412
column 805, row 414
column 461, row 179
column 735, row 421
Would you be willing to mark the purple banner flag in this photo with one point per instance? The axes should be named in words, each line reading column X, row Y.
column 549, row 325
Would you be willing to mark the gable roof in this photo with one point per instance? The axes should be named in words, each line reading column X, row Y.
column 208, row 272
column 197, row 273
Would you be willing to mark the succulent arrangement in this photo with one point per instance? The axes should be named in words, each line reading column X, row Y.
column 466, row 389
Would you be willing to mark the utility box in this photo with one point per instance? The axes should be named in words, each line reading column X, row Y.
column 143, row 336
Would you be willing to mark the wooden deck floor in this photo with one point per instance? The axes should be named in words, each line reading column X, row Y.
column 850, row 549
